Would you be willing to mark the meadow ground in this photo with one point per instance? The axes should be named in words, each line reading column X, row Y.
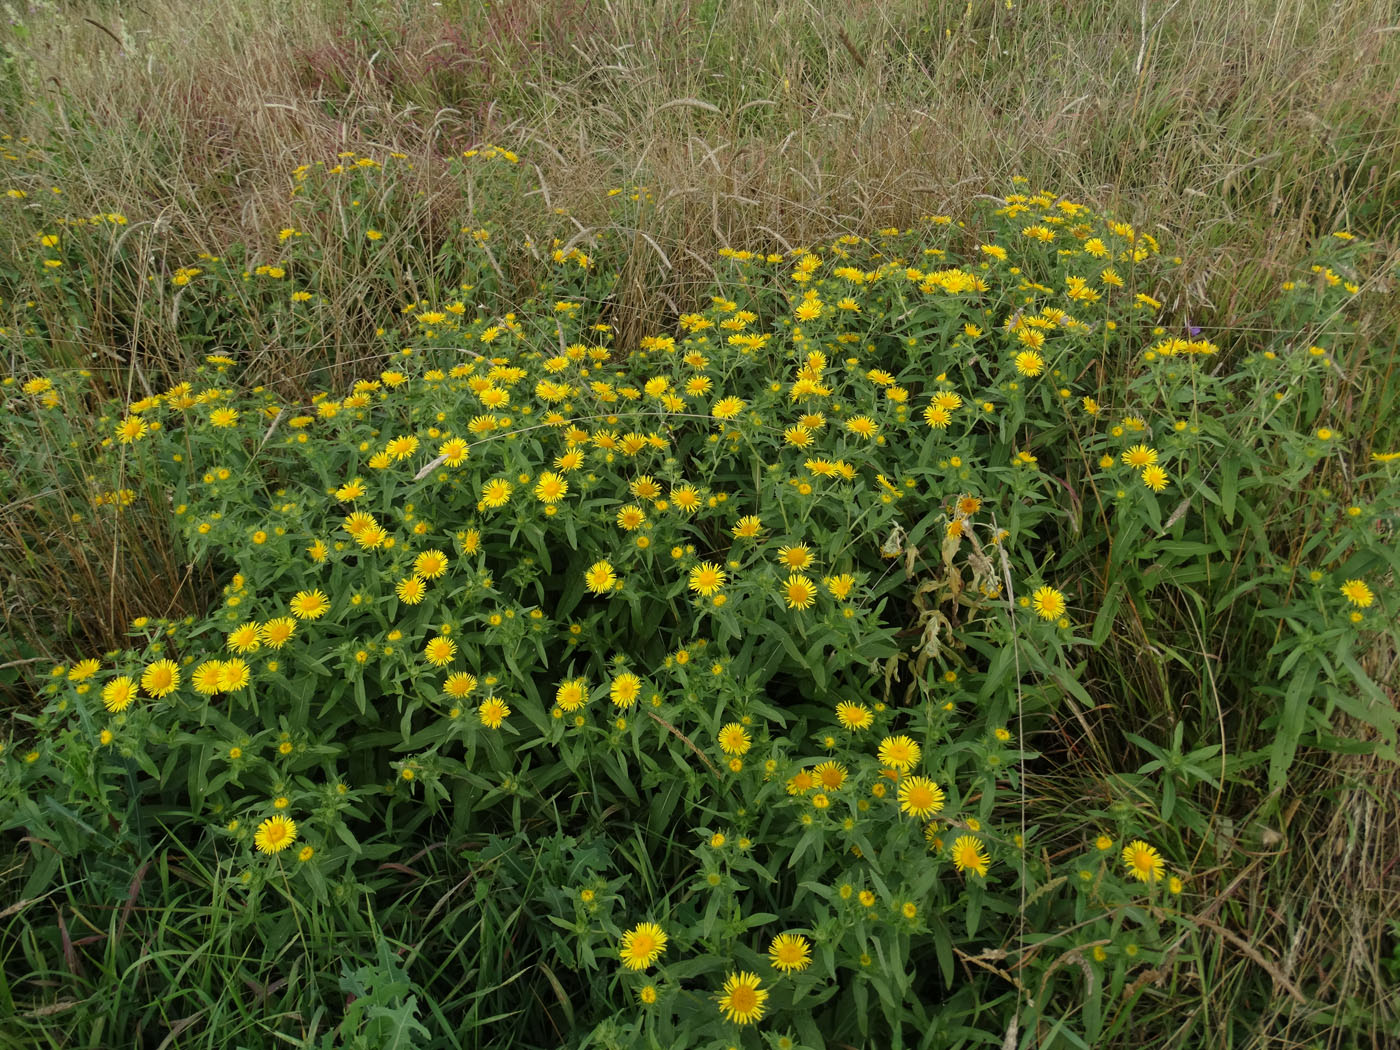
column 699, row 524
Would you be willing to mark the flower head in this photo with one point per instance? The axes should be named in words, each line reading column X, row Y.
column 968, row 855
column 790, row 951
column 854, row 716
column 1048, row 602
column 1144, row 863
column 899, row 752
column 920, row 797
column 1358, row 593
column 742, row 999
column 275, row 834
column 642, row 946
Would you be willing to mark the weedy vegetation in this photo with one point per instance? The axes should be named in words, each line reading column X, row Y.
column 699, row 524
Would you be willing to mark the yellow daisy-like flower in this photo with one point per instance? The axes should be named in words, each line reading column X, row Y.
column 440, row 651
column 899, row 752
column 551, row 487
column 920, row 797
column 233, row 675
column 798, row 556
column 245, row 638
column 1029, row 363
column 351, row 490
column 411, row 590
column 496, row 492
column 1048, row 603
column 571, row 694
column 207, row 679
column 493, row 712
column 830, row 775
column 631, row 518
column 84, row 669
column 132, row 428
column 706, row 578
column 625, row 690
column 1155, row 478
column 309, row 605
column 642, row 945
column 459, row 684
column 862, row 426
column 685, row 498
column 747, row 527
column 968, row 855
column 430, row 564
column 1358, row 593
column 600, row 577
column 799, row 592
column 118, row 694
column 161, row 678
column 1140, row 456
column 854, row 716
column 727, row 407
column 275, row 834
column 790, row 952
column 742, row 999
column 401, row 448
column 734, row 739
column 223, row 417
column 454, row 452
column 1144, row 863
column 277, row 631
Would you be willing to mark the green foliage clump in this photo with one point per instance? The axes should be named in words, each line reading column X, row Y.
column 650, row 699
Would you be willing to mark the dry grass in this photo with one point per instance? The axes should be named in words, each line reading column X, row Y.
column 1235, row 131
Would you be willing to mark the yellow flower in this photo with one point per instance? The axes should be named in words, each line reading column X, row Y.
column 625, row 690
column 277, row 631
column 233, row 675
column 118, row 694
column 493, row 712
column 1048, row 602
column 571, row 694
column 496, row 492
column 706, row 578
column 968, row 855
column 439, row 651
column 430, row 564
column 132, row 428
column 1029, row 363
column 161, row 678
column 799, row 592
column 1140, row 456
column 1143, row 861
column 275, row 834
column 734, row 739
column 1358, row 593
column 309, row 605
column 899, row 752
column 459, row 684
column 411, row 590
column 551, row 488
column 854, row 716
column 642, row 946
column 600, row 577
column 1155, row 478
column 795, row 557
column 747, row 527
column 742, row 999
column 789, row 952
column 245, row 638
column 920, row 797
